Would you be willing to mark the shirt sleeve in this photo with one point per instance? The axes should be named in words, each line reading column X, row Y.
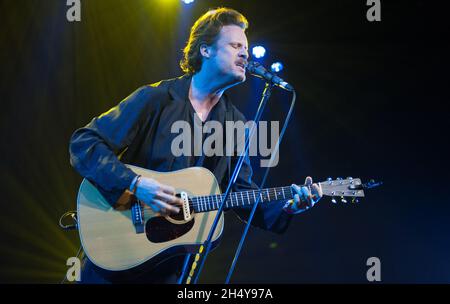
column 94, row 148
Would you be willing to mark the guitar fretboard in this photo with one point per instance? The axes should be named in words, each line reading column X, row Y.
column 243, row 198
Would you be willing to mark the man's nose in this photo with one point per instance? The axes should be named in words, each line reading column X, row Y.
column 243, row 54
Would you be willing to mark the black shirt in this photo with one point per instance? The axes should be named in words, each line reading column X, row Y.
column 138, row 132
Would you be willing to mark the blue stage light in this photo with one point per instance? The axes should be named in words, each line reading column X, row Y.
column 258, row 51
column 276, row 67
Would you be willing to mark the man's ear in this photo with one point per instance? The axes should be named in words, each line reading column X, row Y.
column 205, row 50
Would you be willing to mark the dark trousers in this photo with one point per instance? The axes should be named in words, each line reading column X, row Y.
column 163, row 274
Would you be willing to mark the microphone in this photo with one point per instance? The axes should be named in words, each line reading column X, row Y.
column 256, row 69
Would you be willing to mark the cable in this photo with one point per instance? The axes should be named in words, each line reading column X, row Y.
column 73, row 215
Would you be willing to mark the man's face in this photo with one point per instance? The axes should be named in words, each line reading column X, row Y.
column 230, row 53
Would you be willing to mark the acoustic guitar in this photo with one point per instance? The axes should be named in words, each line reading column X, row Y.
column 120, row 240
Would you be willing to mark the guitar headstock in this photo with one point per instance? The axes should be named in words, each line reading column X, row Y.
column 343, row 188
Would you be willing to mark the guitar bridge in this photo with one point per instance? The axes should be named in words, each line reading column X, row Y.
column 186, row 210
column 138, row 217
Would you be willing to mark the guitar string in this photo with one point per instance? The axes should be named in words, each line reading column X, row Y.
column 238, row 197
column 202, row 202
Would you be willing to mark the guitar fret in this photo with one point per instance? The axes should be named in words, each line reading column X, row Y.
column 213, row 202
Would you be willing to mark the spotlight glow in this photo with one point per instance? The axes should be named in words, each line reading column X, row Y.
column 258, row 51
column 187, row 1
column 276, row 67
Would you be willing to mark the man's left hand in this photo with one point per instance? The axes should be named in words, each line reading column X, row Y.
column 305, row 197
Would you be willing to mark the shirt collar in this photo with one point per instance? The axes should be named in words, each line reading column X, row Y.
column 179, row 90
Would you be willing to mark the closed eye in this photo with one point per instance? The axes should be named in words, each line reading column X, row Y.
column 238, row 45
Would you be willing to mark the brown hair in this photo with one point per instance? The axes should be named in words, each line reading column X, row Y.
column 205, row 31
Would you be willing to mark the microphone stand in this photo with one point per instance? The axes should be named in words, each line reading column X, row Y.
column 207, row 244
column 255, row 206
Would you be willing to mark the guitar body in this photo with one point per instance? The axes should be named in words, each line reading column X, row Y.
column 110, row 239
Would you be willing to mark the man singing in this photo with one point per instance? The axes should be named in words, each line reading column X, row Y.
column 138, row 131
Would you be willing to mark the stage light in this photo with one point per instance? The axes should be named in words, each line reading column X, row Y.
column 276, row 67
column 187, row 1
column 258, row 51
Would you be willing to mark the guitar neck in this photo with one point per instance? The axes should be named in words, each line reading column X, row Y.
column 239, row 199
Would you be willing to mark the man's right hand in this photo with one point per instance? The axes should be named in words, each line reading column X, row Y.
column 161, row 198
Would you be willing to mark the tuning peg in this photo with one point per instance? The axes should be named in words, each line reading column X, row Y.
column 343, row 200
column 329, row 179
column 355, row 200
column 333, row 200
column 339, row 178
column 349, row 178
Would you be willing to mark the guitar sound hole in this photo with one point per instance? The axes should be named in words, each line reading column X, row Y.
column 177, row 216
column 159, row 230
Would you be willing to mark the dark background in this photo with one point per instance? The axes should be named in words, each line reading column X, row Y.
column 371, row 103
